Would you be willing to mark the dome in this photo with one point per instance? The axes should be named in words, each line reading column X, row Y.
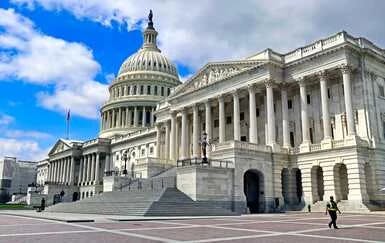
column 148, row 60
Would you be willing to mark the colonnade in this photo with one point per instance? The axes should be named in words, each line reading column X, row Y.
column 89, row 170
column 127, row 117
column 270, row 85
column 62, row 171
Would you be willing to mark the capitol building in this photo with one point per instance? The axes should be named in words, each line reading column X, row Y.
column 280, row 131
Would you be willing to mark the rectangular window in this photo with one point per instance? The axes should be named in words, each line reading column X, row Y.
column 134, row 90
column 204, row 126
column 381, row 90
column 228, row 120
column 329, row 94
column 162, row 91
column 156, row 90
column 141, row 89
column 289, row 104
column 148, row 89
column 243, row 138
column 308, row 99
column 331, row 129
column 168, row 91
column 311, row 135
column 274, row 108
column 292, row 139
column 216, row 123
column 257, row 112
column 128, row 90
column 242, row 116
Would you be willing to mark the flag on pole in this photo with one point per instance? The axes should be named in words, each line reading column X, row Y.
column 68, row 117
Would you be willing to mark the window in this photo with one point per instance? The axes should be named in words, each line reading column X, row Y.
column 117, row 156
column 257, row 112
column 383, row 128
column 243, row 138
column 311, row 135
column 143, row 152
column 274, row 108
column 204, row 126
column 141, row 89
column 134, row 91
column 151, row 150
column 156, row 90
column 216, row 123
column 381, row 90
column 292, row 139
column 128, row 90
column 242, row 116
column 329, row 94
column 308, row 99
column 148, row 89
column 228, row 120
column 162, row 91
column 289, row 104
column 168, row 91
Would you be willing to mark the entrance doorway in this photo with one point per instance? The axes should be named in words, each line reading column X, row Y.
column 341, row 182
column 253, row 186
column 298, row 185
column 317, row 183
column 75, row 196
column 285, row 182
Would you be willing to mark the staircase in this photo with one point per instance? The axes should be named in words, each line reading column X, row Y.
column 166, row 202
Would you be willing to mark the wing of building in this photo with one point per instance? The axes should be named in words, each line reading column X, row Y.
column 280, row 130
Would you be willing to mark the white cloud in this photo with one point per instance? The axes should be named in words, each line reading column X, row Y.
column 5, row 119
column 22, row 149
column 31, row 56
column 194, row 32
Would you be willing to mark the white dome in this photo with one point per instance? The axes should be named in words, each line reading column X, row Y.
column 148, row 60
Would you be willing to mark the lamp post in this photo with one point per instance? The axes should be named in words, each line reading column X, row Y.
column 125, row 162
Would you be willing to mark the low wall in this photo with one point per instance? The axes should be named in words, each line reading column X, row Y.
column 206, row 183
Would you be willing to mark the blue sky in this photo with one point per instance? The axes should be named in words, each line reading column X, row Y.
column 61, row 54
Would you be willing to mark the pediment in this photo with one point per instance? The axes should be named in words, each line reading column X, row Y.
column 60, row 146
column 214, row 72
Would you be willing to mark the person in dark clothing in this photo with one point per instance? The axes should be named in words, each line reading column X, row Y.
column 42, row 206
column 331, row 208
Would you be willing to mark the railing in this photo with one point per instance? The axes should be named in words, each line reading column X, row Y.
column 153, row 184
column 96, row 141
column 200, row 162
column 315, row 147
column 338, row 143
column 241, row 145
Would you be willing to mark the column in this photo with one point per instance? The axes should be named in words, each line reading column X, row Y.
column 88, row 178
column 270, row 112
column 346, row 72
column 136, row 117
column 195, row 135
column 152, row 116
column 72, row 170
column 184, row 142
column 236, row 120
column 304, row 116
column 222, row 122
column 107, row 166
column 113, row 123
column 285, row 117
column 167, row 140
column 144, row 117
column 109, row 119
column 253, row 136
column 158, row 130
column 61, row 168
column 67, row 170
column 85, row 169
column 97, row 169
column 208, row 125
column 325, row 107
column 119, row 122
column 53, row 171
column 173, row 137
column 128, row 122
column 93, row 162
column 80, row 171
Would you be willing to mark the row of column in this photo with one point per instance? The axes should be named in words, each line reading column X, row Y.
column 89, row 170
column 270, row 117
column 125, row 117
column 62, row 171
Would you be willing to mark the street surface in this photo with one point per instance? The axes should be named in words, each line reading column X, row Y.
column 292, row 227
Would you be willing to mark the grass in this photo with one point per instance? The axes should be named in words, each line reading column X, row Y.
column 4, row 206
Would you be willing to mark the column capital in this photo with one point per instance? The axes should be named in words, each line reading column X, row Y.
column 221, row 97
column 269, row 83
column 301, row 81
column 235, row 93
column 322, row 75
column 345, row 69
column 251, row 88
column 173, row 113
column 284, row 85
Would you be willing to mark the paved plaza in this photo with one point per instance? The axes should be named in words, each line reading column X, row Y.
column 286, row 228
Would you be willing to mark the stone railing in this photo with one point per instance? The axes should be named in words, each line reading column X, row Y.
column 133, row 134
column 96, row 141
column 240, row 145
column 338, row 143
column 215, row 163
column 315, row 147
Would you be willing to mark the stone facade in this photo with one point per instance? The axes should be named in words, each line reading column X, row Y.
column 292, row 129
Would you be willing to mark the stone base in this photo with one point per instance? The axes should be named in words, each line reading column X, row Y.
column 304, row 147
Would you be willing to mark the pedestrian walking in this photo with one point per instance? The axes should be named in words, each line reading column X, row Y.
column 332, row 208
column 42, row 205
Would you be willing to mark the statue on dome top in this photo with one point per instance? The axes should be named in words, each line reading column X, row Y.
column 150, row 15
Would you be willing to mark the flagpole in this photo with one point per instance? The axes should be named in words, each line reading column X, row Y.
column 68, row 117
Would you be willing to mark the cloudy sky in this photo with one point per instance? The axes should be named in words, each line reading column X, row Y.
column 61, row 54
